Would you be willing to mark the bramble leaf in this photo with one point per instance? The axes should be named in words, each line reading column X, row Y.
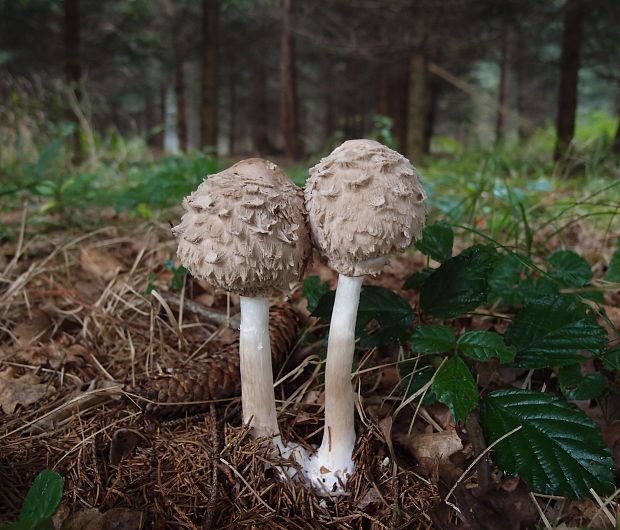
column 552, row 331
column 557, row 451
column 455, row 387
column 613, row 271
column 576, row 386
column 314, row 289
column 437, row 240
column 570, row 269
column 430, row 338
column 482, row 345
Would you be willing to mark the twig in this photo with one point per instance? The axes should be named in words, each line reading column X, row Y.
column 479, row 445
column 211, row 316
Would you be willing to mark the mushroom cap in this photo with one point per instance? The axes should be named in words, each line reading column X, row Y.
column 364, row 202
column 244, row 230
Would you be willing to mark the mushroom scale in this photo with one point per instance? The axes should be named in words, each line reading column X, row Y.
column 244, row 229
column 364, row 202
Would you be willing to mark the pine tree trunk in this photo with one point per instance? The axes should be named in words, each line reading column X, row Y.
column 502, row 95
column 260, row 117
column 330, row 114
column 400, row 105
column 232, row 111
column 179, row 94
column 521, row 82
column 432, row 102
column 383, row 90
column 417, row 106
column 289, row 103
column 73, row 68
column 158, row 142
column 208, row 104
column 569, row 76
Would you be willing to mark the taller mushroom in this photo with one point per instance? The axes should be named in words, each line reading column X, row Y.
column 364, row 202
column 244, row 230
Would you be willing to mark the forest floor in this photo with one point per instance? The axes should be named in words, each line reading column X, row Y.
column 88, row 319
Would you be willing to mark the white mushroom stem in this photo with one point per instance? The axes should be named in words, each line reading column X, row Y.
column 334, row 457
column 257, row 395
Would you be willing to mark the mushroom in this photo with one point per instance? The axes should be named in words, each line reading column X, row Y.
column 364, row 203
column 244, row 230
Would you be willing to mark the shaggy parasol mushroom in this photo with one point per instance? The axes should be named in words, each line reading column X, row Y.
column 364, row 202
column 244, row 230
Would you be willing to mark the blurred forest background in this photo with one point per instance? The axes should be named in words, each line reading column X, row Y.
column 92, row 91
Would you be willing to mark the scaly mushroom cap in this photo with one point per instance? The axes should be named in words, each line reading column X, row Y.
column 364, row 202
column 245, row 230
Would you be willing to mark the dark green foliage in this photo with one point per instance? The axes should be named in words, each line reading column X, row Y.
column 505, row 279
column 314, row 289
column 557, row 451
column 40, row 504
column 430, row 338
column 392, row 313
column 555, row 331
column 460, row 284
column 611, row 360
column 577, row 386
column 416, row 281
column 455, row 387
column 482, row 345
column 178, row 274
column 613, row 271
column 415, row 375
column 568, row 268
column 437, row 240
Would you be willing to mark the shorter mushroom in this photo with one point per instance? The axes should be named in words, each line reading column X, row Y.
column 244, row 230
column 364, row 203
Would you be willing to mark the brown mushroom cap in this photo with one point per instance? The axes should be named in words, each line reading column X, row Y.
column 245, row 230
column 364, row 202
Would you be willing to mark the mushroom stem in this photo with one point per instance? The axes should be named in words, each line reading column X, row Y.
column 336, row 451
column 257, row 395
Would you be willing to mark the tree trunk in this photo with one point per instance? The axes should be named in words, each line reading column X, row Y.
column 616, row 145
column 161, row 125
column 73, row 68
column 521, row 80
column 330, row 114
column 232, row 111
column 569, row 76
column 383, row 90
column 400, row 105
column 502, row 95
column 417, row 106
column 288, row 103
column 260, row 116
column 179, row 95
column 208, row 104
column 432, row 102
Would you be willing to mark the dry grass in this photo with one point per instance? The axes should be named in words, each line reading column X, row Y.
column 75, row 313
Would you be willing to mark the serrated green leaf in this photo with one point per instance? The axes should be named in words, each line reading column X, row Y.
column 557, row 451
column 437, row 241
column 414, row 381
column 392, row 312
column 553, row 331
column 570, row 269
column 430, row 338
column 43, row 497
column 504, row 280
column 460, row 284
column 416, row 281
column 613, row 271
column 455, row 387
column 611, row 360
column 576, row 386
column 482, row 345
column 314, row 289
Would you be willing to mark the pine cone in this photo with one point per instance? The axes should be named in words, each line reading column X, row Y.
column 186, row 390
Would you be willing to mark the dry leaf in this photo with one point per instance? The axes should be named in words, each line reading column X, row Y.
column 434, row 446
column 36, row 329
column 23, row 390
column 100, row 264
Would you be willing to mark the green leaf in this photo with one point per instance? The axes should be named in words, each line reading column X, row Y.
column 504, row 280
column 613, row 271
column 392, row 312
column 611, row 360
column 482, row 345
column 576, row 386
column 455, row 387
column 416, row 380
column 557, row 451
column 432, row 338
column 553, row 331
column 460, row 284
column 314, row 289
column 416, row 280
column 570, row 269
column 43, row 497
column 437, row 240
